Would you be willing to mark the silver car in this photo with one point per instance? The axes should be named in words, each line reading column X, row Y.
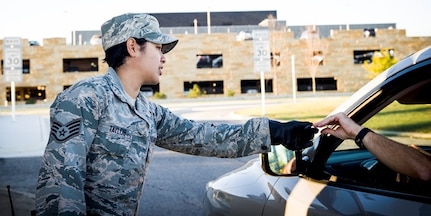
column 336, row 177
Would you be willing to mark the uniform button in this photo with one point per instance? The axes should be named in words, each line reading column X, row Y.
column 264, row 147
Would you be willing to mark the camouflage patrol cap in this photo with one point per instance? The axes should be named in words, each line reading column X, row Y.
column 138, row 25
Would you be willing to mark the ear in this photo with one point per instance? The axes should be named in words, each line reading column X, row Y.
column 132, row 46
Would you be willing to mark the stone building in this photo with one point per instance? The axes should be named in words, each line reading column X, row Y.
column 222, row 62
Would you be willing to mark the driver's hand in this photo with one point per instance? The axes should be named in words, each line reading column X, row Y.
column 290, row 167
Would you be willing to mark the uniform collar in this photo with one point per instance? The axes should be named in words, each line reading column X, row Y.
column 116, row 86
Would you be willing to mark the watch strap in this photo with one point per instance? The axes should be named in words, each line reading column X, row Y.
column 360, row 136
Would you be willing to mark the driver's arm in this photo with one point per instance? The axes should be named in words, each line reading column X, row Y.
column 408, row 160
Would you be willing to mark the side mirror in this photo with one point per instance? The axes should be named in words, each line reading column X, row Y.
column 280, row 161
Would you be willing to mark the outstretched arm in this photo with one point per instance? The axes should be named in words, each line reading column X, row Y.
column 407, row 160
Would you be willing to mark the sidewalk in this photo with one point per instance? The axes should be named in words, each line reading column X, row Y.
column 24, row 135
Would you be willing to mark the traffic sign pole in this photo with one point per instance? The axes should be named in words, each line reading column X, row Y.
column 12, row 65
column 262, row 92
column 293, row 78
column 12, row 98
column 262, row 59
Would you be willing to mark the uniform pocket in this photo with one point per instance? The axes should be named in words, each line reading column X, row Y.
column 119, row 141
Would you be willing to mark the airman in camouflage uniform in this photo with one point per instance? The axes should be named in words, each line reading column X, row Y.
column 102, row 138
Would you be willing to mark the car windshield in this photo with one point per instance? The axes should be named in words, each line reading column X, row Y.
column 405, row 123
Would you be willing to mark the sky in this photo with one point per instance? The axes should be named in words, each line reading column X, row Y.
column 38, row 19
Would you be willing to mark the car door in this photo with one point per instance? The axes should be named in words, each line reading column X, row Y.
column 314, row 197
column 354, row 181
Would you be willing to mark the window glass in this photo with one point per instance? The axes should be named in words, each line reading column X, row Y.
column 25, row 66
column 275, row 59
column 209, row 61
column 205, row 87
column 26, row 93
column 253, row 86
column 362, row 56
column 80, row 65
column 322, row 84
column 405, row 123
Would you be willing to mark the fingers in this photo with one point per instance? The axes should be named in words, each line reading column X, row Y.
column 326, row 121
column 328, row 131
column 330, row 120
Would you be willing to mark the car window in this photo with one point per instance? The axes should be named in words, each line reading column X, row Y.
column 405, row 123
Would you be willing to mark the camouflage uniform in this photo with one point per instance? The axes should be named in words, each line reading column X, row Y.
column 100, row 146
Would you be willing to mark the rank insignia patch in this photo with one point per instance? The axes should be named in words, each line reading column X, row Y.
column 62, row 132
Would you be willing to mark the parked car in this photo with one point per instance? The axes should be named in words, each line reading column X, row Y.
column 336, row 177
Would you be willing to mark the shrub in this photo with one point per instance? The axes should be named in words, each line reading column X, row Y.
column 195, row 92
column 159, row 95
column 31, row 101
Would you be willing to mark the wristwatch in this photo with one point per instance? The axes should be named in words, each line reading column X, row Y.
column 360, row 136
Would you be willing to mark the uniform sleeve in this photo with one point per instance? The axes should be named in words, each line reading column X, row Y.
column 60, row 187
column 209, row 139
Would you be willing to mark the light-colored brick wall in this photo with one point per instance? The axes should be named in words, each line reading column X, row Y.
column 46, row 62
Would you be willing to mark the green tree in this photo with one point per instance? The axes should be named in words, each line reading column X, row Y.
column 380, row 61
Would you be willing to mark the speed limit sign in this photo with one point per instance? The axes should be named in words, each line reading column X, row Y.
column 12, row 59
column 261, row 52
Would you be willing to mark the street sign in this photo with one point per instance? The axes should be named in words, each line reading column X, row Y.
column 12, row 59
column 261, row 52
column 262, row 59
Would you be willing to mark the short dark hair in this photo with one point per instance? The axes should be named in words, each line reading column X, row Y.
column 116, row 55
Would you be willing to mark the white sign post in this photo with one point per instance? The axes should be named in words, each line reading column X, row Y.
column 262, row 59
column 293, row 78
column 12, row 65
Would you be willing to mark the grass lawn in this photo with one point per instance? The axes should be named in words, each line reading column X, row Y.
column 413, row 118
column 305, row 109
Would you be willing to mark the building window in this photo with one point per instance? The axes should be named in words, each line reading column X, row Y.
column 317, row 58
column 361, row 56
column 209, row 61
column 25, row 66
column 275, row 59
column 149, row 90
column 253, row 86
column 322, row 83
column 80, row 65
column 369, row 32
column 206, row 87
column 26, row 93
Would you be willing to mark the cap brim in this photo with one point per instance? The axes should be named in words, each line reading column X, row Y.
column 168, row 47
column 167, row 41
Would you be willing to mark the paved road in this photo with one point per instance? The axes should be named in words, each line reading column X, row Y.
column 174, row 186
